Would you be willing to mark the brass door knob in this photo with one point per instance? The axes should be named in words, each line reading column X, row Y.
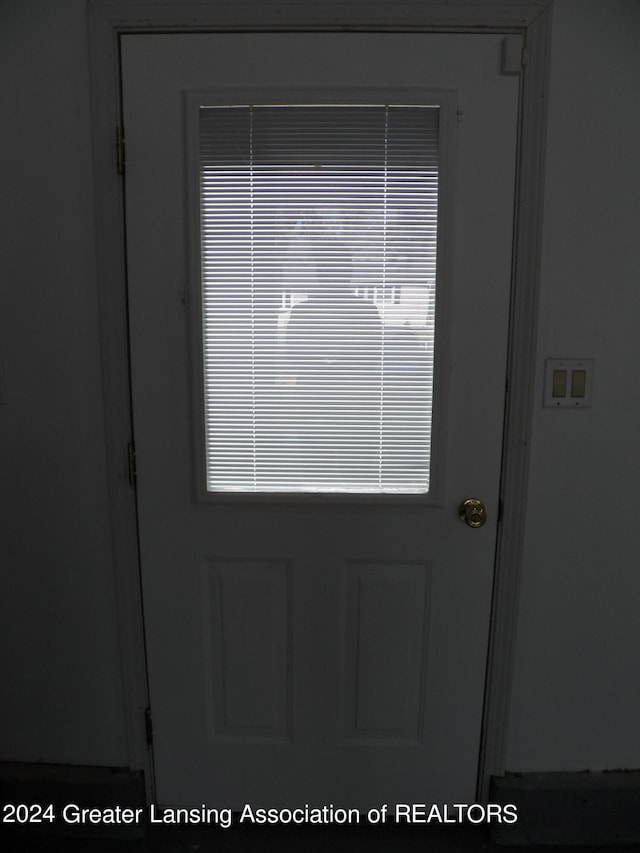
column 472, row 512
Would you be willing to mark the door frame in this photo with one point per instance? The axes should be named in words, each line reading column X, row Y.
column 108, row 20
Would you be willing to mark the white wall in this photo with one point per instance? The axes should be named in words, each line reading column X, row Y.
column 576, row 699
column 61, row 689
column 576, row 695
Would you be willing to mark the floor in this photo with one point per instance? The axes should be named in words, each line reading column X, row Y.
column 325, row 839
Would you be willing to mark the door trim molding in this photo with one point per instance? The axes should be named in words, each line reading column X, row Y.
column 108, row 20
column 519, row 403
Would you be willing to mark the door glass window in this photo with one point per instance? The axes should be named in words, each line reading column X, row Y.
column 318, row 275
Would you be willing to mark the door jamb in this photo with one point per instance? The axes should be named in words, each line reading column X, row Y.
column 108, row 20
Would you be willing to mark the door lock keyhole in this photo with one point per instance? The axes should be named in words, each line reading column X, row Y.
column 472, row 512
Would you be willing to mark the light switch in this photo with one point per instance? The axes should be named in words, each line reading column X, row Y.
column 568, row 383
column 559, row 383
column 578, row 383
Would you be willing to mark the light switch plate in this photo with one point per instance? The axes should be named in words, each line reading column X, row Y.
column 568, row 383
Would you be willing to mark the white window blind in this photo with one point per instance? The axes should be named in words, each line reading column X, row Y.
column 318, row 251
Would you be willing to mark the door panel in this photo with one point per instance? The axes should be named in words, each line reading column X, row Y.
column 317, row 650
column 248, row 683
column 385, row 628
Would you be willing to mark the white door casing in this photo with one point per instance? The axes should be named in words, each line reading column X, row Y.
column 363, row 625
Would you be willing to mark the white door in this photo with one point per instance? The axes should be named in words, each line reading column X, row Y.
column 316, row 648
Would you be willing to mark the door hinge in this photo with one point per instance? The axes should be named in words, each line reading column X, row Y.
column 120, row 159
column 131, row 459
column 514, row 54
column 148, row 726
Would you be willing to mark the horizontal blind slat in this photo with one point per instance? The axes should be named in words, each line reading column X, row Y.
column 319, row 245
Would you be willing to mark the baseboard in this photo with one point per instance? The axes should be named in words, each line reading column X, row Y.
column 569, row 808
column 44, row 791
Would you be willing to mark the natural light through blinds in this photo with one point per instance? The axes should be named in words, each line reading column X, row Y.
column 318, row 252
